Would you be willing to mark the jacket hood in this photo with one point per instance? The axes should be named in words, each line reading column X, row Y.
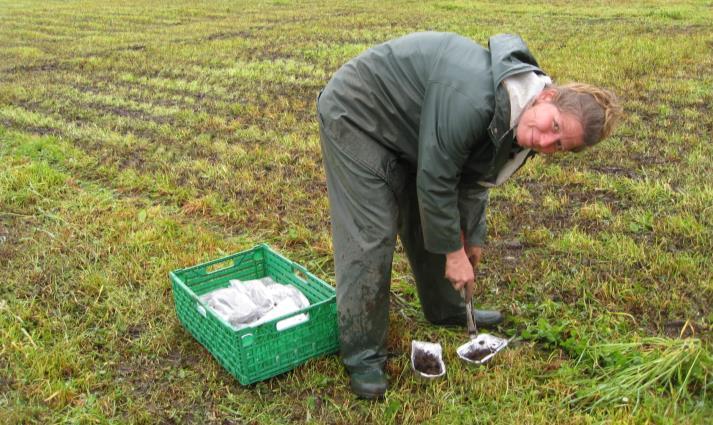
column 509, row 56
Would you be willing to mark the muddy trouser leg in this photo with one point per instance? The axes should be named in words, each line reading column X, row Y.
column 440, row 302
column 364, row 214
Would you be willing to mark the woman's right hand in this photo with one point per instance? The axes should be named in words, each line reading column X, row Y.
column 459, row 270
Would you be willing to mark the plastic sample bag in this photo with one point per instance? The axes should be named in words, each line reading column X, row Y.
column 253, row 302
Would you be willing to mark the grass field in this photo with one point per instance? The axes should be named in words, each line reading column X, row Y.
column 139, row 137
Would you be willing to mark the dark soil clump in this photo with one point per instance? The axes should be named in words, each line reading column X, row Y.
column 477, row 353
column 427, row 363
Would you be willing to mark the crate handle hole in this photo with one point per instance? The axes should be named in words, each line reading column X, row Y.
column 247, row 340
column 299, row 274
column 291, row 322
column 219, row 266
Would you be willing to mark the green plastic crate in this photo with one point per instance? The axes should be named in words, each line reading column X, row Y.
column 258, row 353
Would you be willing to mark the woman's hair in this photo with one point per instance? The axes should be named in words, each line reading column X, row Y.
column 598, row 110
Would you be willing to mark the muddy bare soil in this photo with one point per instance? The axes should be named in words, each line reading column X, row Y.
column 427, row 363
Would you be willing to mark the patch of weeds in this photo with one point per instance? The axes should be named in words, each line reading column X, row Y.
column 627, row 251
column 595, row 211
column 646, row 192
column 538, row 236
column 554, row 204
column 625, row 373
column 684, row 226
column 642, row 221
column 563, row 334
column 574, row 241
column 513, row 194
column 669, row 13
column 498, row 223
column 25, row 185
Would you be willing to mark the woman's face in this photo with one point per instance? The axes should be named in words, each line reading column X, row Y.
column 543, row 128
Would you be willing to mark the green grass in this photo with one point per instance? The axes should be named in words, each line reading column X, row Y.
column 140, row 137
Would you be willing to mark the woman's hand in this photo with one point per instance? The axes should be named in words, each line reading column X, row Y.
column 459, row 270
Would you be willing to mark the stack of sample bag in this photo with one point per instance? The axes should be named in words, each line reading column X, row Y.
column 253, row 302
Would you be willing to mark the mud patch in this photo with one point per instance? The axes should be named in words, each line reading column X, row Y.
column 127, row 113
column 680, row 328
column 4, row 236
column 24, row 69
column 6, row 384
column 41, row 130
column 134, row 332
column 513, row 244
column 229, row 34
column 135, row 47
column 565, row 296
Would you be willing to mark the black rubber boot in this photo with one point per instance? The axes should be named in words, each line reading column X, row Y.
column 483, row 319
column 370, row 384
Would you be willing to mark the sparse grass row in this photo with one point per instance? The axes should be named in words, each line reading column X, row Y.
column 179, row 102
column 193, row 133
column 204, row 41
column 201, row 187
column 88, row 100
column 272, row 31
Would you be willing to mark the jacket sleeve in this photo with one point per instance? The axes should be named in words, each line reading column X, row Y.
column 472, row 204
column 450, row 123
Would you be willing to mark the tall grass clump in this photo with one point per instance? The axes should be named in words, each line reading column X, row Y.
column 625, row 373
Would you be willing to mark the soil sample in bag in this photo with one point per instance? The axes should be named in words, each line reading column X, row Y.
column 477, row 352
column 427, row 363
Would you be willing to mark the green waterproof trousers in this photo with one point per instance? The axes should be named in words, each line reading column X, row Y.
column 372, row 198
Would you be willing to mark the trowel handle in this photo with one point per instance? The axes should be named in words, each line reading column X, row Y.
column 466, row 296
column 470, row 321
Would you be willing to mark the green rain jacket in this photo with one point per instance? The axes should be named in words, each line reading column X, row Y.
column 435, row 101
